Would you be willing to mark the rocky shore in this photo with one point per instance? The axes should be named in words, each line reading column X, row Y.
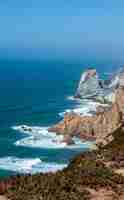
column 107, row 119
column 93, row 175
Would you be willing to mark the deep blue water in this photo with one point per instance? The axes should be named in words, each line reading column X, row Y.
column 33, row 93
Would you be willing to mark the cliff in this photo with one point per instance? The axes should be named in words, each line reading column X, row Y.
column 97, row 127
column 106, row 119
column 89, row 85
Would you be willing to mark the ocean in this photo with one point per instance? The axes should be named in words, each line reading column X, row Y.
column 35, row 93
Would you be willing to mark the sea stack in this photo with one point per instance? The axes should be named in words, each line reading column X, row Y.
column 89, row 84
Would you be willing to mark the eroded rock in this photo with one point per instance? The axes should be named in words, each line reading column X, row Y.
column 106, row 119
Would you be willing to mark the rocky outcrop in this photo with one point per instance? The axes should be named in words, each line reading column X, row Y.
column 96, row 127
column 106, row 120
column 89, row 84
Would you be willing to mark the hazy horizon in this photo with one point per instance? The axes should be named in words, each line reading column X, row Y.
column 62, row 29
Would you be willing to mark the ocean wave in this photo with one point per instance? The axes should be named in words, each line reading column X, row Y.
column 39, row 137
column 71, row 98
column 28, row 165
column 85, row 108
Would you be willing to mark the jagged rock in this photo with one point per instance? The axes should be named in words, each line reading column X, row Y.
column 106, row 119
column 96, row 127
column 89, row 84
column 26, row 128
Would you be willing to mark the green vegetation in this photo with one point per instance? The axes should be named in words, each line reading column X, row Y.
column 86, row 171
column 70, row 184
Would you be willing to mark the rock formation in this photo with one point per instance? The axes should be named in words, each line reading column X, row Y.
column 106, row 120
column 96, row 127
column 89, row 84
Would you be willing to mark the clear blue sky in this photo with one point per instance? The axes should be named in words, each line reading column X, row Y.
column 65, row 27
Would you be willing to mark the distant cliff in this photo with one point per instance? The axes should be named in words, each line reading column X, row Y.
column 91, row 86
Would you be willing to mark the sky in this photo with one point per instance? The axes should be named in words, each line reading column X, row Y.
column 66, row 27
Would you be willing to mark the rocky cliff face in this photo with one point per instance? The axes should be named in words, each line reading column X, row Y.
column 120, row 99
column 89, row 84
column 106, row 120
column 96, row 127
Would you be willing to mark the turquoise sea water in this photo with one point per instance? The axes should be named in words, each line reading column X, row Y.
column 34, row 93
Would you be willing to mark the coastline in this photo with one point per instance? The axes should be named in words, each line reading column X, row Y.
column 90, row 175
column 97, row 123
column 95, row 174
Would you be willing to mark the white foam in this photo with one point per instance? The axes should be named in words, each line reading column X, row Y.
column 81, row 144
column 71, row 98
column 27, row 165
column 85, row 108
column 61, row 114
column 39, row 137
